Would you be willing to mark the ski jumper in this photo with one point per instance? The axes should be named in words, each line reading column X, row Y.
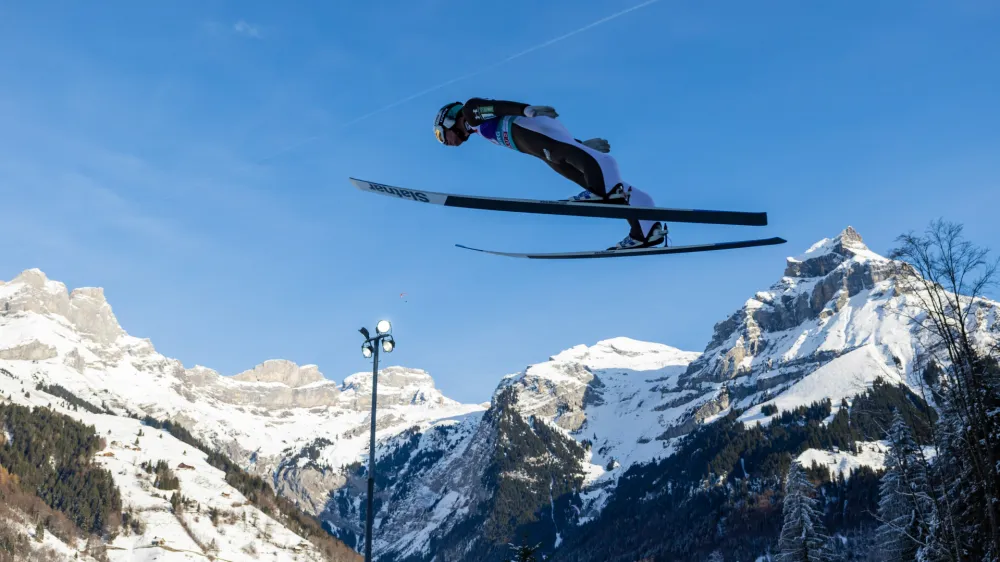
column 503, row 123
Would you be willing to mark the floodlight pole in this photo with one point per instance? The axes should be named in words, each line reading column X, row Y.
column 371, row 461
column 373, row 342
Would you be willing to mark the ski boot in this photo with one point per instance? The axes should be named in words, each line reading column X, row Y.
column 618, row 196
column 657, row 235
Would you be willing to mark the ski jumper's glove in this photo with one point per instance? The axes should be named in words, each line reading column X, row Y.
column 600, row 145
column 540, row 111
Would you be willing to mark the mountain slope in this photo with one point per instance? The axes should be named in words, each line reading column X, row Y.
column 210, row 518
column 261, row 418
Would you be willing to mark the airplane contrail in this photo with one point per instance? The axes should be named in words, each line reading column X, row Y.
column 471, row 74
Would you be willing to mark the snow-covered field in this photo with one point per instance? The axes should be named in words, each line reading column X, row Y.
column 871, row 454
column 843, row 377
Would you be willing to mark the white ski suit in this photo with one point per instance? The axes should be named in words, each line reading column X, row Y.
column 503, row 123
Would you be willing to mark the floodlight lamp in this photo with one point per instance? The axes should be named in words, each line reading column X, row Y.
column 383, row 327
column 366, row 350
column 364, row 332
column 388, row 345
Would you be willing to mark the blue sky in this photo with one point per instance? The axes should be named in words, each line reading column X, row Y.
column 192, row 159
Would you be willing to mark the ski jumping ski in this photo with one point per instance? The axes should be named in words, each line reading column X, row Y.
column 599, row 210
column 637, row 251
column 551, row 207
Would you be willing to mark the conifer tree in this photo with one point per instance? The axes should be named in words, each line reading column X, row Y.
column 802, row 537
column 905, row 505
column 523, row 553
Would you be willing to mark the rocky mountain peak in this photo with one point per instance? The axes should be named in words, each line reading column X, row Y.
column 88, row 293
column 562, row 389
column 824, row 256
column 817, row 285
column 622, row 352
column 282, row 371
column 396, row 386
column 85, row 308
column 34, row 278
column 392, row 377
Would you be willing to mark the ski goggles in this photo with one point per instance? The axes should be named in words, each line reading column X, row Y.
column 446, row 119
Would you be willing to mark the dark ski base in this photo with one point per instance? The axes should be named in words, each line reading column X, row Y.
column 549, row 207
column 637, row 252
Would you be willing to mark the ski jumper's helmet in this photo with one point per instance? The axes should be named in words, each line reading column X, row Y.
column 446, row 118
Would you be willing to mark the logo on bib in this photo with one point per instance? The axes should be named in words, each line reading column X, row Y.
column 503, row 133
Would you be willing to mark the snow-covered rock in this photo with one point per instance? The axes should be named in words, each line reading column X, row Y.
column 618, row 395
column 29, row 351
column 397, row 386
column 84, row 309
column 283, row 371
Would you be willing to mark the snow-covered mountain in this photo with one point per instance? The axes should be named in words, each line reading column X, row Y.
column 834, row 323
column 285, row 422
column 569, row 424
column 549, row 450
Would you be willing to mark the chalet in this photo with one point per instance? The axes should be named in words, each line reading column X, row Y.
column 183, row 466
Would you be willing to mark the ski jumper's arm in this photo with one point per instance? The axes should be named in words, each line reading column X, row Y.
column 478, row 110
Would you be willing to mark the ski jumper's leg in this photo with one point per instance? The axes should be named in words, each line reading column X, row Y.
column 570, row 172
column 557, row 148
column 549, row 140
column 597, row 172
column 639, row 198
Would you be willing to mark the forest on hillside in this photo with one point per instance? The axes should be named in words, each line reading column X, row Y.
column 51, row 454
